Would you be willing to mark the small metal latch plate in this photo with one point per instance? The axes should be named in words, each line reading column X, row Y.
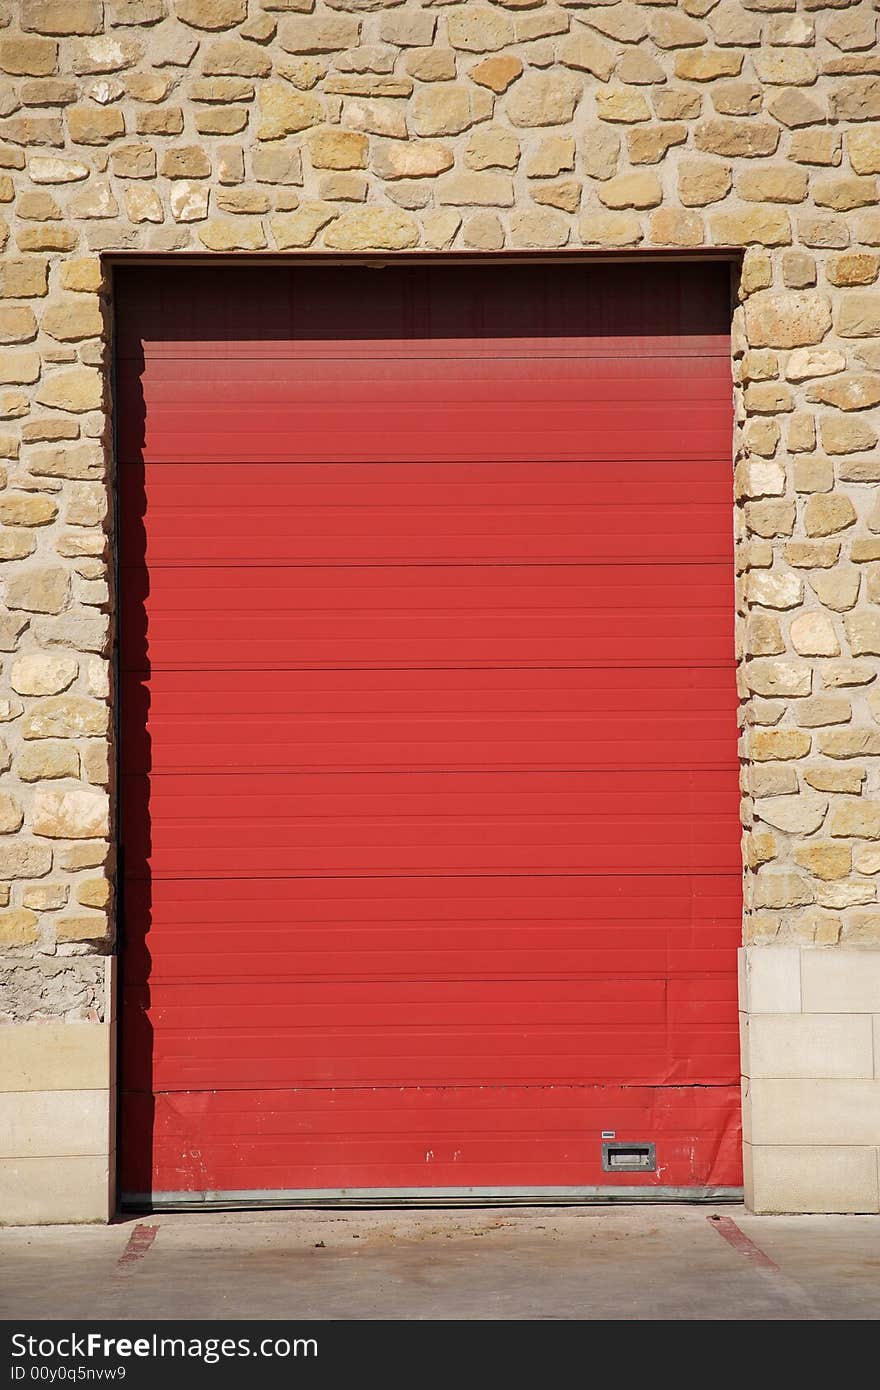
column 629, row 1158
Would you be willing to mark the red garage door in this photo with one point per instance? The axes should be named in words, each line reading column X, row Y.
column 429, row 780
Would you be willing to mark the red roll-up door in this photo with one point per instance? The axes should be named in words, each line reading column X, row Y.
column 429, row 805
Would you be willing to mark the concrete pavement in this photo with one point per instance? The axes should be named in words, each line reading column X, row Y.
column 670, row 1262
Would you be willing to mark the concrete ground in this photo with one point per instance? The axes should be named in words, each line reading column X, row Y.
column 670, row 1262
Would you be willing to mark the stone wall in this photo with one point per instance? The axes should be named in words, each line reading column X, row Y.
column 223, row 126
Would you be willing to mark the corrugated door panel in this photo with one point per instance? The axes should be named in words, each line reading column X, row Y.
column 428, row 746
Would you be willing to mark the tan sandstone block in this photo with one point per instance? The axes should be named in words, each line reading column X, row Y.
column 19, row 366
column 853, row 268
column 821, row 710
column 778, row 890
column 480, row 189
column 17, row 323
column 284, row 111
column 70, row 320
column 759, row 848
column 622, row 105
column 837, row 588
column 669, row 29
column 740, row 139
column 850, row 743
column 812, row 634
column 821, row 147
column 812, row 362
column 858, row 100
column 864, row 631
column 825, row 514
column 866, row 858
column 251, row 201
column 441, row 110
column 842, row 434
column 39, row 590
column 650, row 144
column 770, row 518
column 863, row 147
column 707, row 64
column 763, row 637
column 547, row 230
column 134, row 162
column 497, row 73
column 847, row 780
column 766, row 226
column 42, row 673
column 484, row 232
column 26, row 509
column 93, row 892
column 825, row 860
column 554, row 156
column 233, row 234
column 785, row 67
column 441, row 228
column 677, row 103
column 813, row 475
column 93, row 927
column 601, row 151
column 565, row 195
column 778, row 678
column 639, row 68
column 18, row 927
column 540, row 99
column 778, row 745
column 853, row 391
column 478, row 29
column 419, row 159
column 492, row 147
column 845, row 193
column 93, row 125
column 859, row 315
column 772, row 183
column 632, row 190
column 16, row 545
column 703, row 181
column 338, row 149
column 758, row 478
column 585, row 53
column 28, row 56
column 66, row 815
column 147, row 86
column 815, row 1111
column 24, row 859
column 11, row 814
column 44, row 897
column 372, row 228
column 846, row 673
column 23, row 279
column 76, row 389
column 47, row 762
column 788, row 319
column 300, row 228
column 212, row 14
column 65, row 716
column 794, row 108
column 737, row 98
column 143, row 204
column 321, row 33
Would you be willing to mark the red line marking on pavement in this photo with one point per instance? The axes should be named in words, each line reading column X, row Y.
column 139, row 1242
column 728, row 1229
